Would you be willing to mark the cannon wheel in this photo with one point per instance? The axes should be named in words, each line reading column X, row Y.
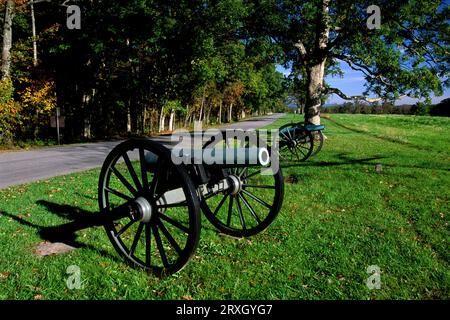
column 253, row 206
column 318, row 142
column 166, row 239
column 295, row 147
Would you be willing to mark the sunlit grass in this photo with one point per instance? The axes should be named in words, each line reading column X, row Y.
column 341, row 217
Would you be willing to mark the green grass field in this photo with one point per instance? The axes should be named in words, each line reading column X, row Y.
column 340, row 218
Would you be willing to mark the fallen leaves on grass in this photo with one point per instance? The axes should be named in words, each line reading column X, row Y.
column 4, row 275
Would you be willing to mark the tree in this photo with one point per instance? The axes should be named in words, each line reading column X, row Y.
column 441, row 109
column 407, row 55
column 10, row 6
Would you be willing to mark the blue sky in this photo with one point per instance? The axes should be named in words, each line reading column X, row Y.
column 353, row 84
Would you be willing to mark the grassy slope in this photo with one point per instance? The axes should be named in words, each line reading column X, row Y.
column 340, row 218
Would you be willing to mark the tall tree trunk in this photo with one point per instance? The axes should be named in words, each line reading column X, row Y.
column 186, row 119
column 202, row 105
column 230, row 113
column 7, row 38
column 314, row 94
column 208, row 114
column 162, row 119
column 220, row 113
column 33, row 30
column 316, row 66
column 129, row 127
column 86, row 115
column 171, row 120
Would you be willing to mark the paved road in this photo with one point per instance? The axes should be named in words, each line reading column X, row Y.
column 26, row 166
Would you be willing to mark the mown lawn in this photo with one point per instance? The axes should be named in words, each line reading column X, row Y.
column 340, row 218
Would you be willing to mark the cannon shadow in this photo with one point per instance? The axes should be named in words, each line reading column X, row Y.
column 383, row 138
column 345, row 160
column 65, row 233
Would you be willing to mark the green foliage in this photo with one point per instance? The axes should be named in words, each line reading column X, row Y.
column 409, row 55
column 441, row 109
column 6, row 90
column 130, row 58
column 420, row 108
column 10, row 112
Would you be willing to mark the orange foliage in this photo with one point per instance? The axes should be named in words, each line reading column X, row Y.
column 38, row 96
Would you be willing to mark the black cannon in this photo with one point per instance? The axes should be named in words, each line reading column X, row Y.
column 300, row 141
column 151, row 205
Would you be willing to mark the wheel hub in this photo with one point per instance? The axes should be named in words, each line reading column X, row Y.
column 235, row 184
column 145, row 209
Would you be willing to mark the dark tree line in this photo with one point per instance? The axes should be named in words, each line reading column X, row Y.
column 141, row 66
column 150, row 65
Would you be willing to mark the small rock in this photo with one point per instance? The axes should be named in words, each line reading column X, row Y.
column 51, row 248
column 378, row 167
column 292, row 178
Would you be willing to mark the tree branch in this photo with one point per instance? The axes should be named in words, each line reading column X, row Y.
column 301, row 47
column 346, row 97
column 64, row 4
column 365, row 70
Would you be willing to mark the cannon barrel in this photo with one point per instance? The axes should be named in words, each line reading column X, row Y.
column 253, row 156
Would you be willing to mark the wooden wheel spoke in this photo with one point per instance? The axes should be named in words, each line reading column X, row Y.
column 174, row 223
column 119, row 194
column 209, row 196
column 230, row 211
column 125, row 228
column 124, row 181
column 156, row 177
column 169, row 237
column 220, row 204
column 132, row 171
column 285, row 136
column 143, row 169
column 301, row 151
column 136, row 239
column 160, row 247
column 148, row 244
column 241, row 215
column 242, row 171
column 172, row 205
column 304, row 147
column 251, row 174
column 257, row 199
column 258, row 186
column 249, row 207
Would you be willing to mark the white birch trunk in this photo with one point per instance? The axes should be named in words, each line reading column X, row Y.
column 33, row 30
column 171, row 120
column 7, row 39
column 162, row 119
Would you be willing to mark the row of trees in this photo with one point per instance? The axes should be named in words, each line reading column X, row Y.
column 135, row 66
column 140, row 65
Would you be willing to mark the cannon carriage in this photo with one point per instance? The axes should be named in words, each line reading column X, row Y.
column 151, row 204
column 300, row 141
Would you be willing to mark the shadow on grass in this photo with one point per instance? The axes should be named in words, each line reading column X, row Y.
column 384, row 138
column 65, row 233
column 345, row 161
